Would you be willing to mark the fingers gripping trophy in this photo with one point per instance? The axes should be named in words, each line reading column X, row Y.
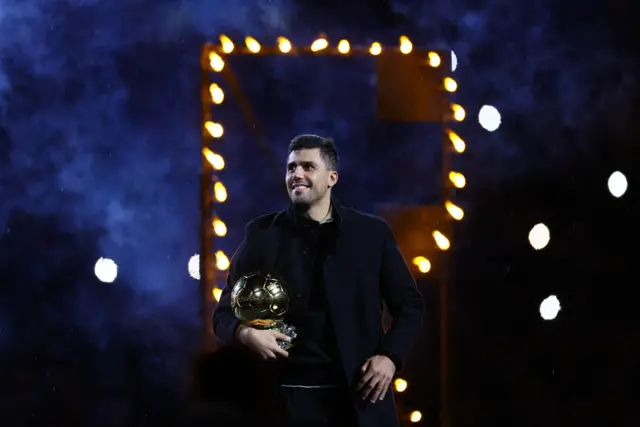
column 261, row 301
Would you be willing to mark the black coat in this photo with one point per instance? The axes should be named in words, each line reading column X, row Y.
column 366, row 269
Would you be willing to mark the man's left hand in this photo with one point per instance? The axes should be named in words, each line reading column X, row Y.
column 377, row 373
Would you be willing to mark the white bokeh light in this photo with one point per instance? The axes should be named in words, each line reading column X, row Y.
column 550, row 307
column 194, row 266
column 539, row 236
column 106, row 270
column 454, row 61
column 617, row 184
column 489, row 118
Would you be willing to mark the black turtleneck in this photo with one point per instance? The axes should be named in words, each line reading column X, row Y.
column 314, row 360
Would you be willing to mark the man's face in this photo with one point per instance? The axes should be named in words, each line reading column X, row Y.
column 308, row 179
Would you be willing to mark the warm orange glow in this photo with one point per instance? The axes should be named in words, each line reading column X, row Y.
column 217, row 95
column 220, row 192
column 226, row 43
column 415, row 416
column 450, row 85
column 219, row 227
column 405, row 45
column 222, row 261
column 252, row 44
column 216, row 292
column 434, row 59
column 215, row 160
column 343, row 47
column 458, row 143
column 319, row 44
column 400, row 385
column 455, row 211
column 457, row 179
column 216, row 62
column 215, row 129
column 458, row 112
column 284, row 45
column 423, row 264
column 441, row 241
column 375, row 49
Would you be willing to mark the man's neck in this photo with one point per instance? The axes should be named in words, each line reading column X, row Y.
column 320, row 211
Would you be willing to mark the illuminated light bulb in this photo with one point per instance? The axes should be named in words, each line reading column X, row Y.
column 284, row 45
column 441, row 241
column 216, row 62
column 106, row 270
column 222, row 261
column 220, row 192
column 415, row 416
column 550, row 307
column 217, row 95
column 375, row 49
column 343, row 47
column 219, row 227
column 539, row 236
column 319, row 44
column 226, row 43
column 450, row 85
column 455, row 211
column 423, row 264
column 489, row 118
column 458, row 112
column 194, row 266
column 217, row 293
column 434, row 59
column 617, row 184
column 400, row 385
column 215, row 160
column 252, row 44
column 458, row 143
column 457, row 179
column 215, row 129
column 405, row 45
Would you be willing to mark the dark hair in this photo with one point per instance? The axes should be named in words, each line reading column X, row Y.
column 326, row 146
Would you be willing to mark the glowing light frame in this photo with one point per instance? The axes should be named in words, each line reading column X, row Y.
column 451, row 143
column 213, row 61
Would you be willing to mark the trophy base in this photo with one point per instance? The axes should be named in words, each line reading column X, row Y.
column 277, row 325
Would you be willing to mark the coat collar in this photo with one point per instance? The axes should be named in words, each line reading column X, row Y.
column 294, row 217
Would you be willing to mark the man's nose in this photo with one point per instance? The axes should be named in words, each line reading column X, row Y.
column 298, row 173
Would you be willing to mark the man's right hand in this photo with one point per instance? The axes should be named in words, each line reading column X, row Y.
column 262, row 342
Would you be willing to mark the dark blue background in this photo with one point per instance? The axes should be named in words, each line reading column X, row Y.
column 100, row 155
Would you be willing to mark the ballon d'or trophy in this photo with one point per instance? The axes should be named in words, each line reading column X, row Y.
column 261, row 301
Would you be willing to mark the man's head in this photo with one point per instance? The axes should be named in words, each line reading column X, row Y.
column 312, row 169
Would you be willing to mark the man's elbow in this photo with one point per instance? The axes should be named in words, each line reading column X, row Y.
column 225, row 325
column 415, row 308
column 217, row 324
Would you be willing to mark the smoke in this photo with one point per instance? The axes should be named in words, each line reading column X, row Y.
column 84, row 123
column 99, row 104
column 99, row 101
column 552, row 73
column 100, row 128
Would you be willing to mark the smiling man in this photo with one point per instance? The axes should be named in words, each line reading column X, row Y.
column 341, row 265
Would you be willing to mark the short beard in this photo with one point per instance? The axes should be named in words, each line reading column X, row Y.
column 301, row 206
column 304, row 206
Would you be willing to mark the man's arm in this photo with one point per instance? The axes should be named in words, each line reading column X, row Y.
column 404, row 302
column 225, row 323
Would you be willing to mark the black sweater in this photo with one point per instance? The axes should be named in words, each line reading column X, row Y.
column 314, row 359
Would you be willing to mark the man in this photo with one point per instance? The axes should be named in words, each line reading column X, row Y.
column 341, row 265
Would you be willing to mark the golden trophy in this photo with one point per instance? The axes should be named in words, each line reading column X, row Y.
column 261, row 301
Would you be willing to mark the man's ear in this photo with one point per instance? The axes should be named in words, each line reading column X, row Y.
column 333, row 179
